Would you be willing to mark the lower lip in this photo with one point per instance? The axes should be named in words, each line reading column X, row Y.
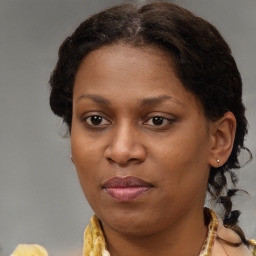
column 126, row 194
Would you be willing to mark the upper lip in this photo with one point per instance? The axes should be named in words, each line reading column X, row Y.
column 125, row 182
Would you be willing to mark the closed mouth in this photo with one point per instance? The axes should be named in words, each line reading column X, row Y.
column 126, row 188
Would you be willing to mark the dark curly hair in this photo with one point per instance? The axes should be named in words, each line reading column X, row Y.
column 203, row 62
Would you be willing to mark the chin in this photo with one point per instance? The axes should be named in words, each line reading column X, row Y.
column 131, row 223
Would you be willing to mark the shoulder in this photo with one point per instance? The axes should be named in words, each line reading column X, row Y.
column 29, row 250
column 228, row 242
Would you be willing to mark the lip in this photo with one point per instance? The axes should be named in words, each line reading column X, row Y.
column 126, row 188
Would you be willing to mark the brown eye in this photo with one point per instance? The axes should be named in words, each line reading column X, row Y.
column 96, row 120
column 160, row 121
column 157, row 120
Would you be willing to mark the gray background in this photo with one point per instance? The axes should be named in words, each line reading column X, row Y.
column 40, row 197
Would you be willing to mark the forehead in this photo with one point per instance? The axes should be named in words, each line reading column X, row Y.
column 120, row 56
column 123, row 71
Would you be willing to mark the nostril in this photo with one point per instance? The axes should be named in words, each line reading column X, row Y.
column 110, row 160
column 124, row 162
column 117, row 161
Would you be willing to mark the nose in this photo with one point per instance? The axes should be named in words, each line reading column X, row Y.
column 125, row 146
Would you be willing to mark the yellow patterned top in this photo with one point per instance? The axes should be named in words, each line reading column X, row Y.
column 95, row 245
column 218, row 242
column 253, row 243
column 212, row 234
column 30, row 250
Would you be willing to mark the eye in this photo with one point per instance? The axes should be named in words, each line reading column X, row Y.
column 159, row 121
column 96, row 120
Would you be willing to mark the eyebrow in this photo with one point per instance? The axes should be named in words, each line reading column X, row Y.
column 157, row 100
column 144, row 102
column 96, row 98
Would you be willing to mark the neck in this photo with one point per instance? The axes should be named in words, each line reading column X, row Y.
column 185, row 237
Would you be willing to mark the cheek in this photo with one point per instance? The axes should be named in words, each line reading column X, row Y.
column 84, row 158
column 184, row 167
column 182, row 152
column 83, row 146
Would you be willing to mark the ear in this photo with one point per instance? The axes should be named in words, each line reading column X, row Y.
column 222, row 135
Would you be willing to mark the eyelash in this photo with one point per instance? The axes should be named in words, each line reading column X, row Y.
column 95, row 125
column 165, row 121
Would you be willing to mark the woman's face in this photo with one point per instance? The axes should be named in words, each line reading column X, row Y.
column 140, row 141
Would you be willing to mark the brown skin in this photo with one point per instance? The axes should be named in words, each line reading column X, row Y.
column 174, row 157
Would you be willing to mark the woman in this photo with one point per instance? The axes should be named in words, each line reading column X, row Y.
column 152, row 100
